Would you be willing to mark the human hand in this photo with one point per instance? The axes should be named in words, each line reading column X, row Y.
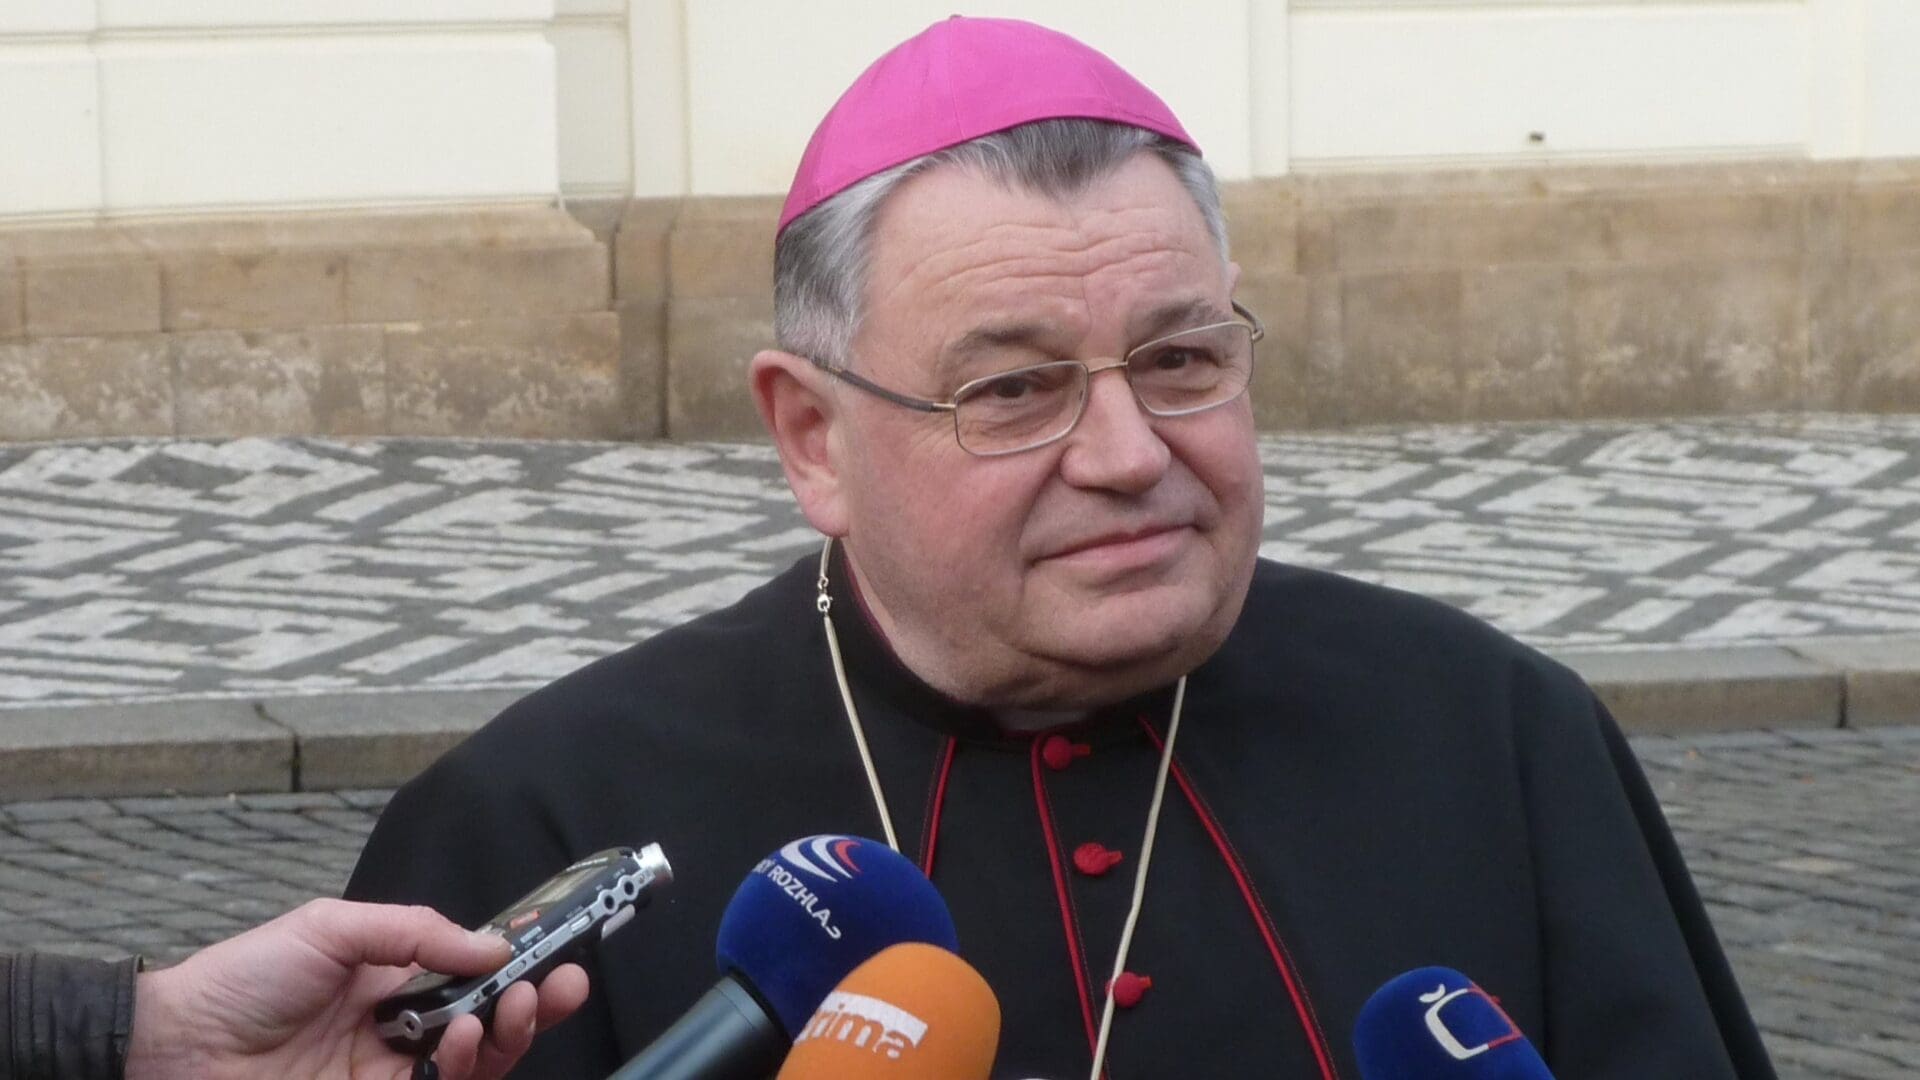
column 292, row 999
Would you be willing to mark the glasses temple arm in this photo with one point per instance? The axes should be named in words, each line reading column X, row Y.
column 874, row 388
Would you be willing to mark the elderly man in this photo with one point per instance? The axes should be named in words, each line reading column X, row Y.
column 1041, row 656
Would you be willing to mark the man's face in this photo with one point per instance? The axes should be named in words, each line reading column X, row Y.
column 1087, row 570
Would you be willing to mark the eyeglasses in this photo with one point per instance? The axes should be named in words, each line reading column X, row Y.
column 1026, row 408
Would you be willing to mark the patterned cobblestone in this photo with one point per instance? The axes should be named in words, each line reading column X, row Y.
column 145, row 570
column 1807, row 850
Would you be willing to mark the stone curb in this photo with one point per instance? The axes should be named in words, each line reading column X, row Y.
column 380, row 739
column 1816, row 683
column 216, row 746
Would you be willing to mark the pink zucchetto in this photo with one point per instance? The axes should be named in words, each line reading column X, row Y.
column 957, row 80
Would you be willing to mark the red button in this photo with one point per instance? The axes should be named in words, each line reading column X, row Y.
column 1129, row 988
column 1094, row 860
column 1059, row 751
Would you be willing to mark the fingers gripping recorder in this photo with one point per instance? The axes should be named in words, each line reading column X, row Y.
column 547, row 927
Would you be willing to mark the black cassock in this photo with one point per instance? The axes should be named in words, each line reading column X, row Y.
column 1365, row 782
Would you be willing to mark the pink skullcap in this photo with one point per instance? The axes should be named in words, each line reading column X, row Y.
column 958, row 80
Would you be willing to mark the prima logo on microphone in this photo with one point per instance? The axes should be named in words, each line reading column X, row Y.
column 829, row 858
column 865, row 1023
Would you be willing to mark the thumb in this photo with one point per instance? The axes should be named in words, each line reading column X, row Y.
column 351, row 934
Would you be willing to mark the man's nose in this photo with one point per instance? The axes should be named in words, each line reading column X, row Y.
column 1114, row 446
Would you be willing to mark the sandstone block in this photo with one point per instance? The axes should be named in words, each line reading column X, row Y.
column 1280, row 378
column 1867, row 335
column 13, row 315
column 551, row 376
column 91, row 295
column 1316, row 250
column 1701, row 225
column 1880, row 170
column 328, row 380
column 1516, row 342
column 710, row 342
column 640, row 250
column 1661, row 339
column 1635, row 178
column 72, row 387
column 723, row 248
column 1826, row 224
column 1436, row 233
column 643, row 368
column 483, row 227
column 1413, row 184
column 210, row 290
column 1825, row 292
column 1401, row 334
column 471, row 281
column 71, row 243
column 1884, row 218
column 1326, row 353
column 1263, row 225
column 1755, row 336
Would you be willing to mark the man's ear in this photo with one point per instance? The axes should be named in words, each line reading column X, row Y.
column 798, row 408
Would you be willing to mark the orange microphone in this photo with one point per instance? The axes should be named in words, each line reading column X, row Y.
column 912, row 1011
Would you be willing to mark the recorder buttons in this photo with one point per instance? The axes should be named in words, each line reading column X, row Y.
column 579, row 924
column 622, row 918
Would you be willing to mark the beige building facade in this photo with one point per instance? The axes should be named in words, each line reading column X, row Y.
column 554, row 217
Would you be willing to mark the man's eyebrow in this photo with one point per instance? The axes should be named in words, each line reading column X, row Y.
column 1168, row 318
column 1175, row 316
column 998, row 336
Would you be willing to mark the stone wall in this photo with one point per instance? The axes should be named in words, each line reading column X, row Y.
column 1511, row 294
column 490, row 322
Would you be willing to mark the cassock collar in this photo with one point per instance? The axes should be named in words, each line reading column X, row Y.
column 875, row 670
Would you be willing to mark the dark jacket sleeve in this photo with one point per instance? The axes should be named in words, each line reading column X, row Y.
column 1737, row 1030
column 64, row 1018
column 464, row 841
column 1636, row 982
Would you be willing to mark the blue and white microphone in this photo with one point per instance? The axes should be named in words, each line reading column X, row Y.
column 1435, row 1024
column 805, row 917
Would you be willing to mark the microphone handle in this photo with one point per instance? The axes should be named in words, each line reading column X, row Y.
column 727, row 1035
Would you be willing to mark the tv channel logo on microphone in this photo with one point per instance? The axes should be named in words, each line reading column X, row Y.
column 865, row 1023
column 1483, row 1025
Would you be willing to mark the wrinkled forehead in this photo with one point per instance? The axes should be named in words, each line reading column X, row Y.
column 953, row 249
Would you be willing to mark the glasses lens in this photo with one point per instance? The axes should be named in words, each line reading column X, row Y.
column 1194, row 370
column 1019, row 409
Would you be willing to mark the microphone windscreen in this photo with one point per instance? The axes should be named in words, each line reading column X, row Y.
column 818, row 908
column 1434, row 1024
column 914, row 1012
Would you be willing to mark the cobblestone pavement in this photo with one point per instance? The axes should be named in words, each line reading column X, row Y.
column 143, row 570
column 1806, row 845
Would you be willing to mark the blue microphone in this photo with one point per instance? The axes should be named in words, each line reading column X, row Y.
column 805, row 917
column 1435, row 1024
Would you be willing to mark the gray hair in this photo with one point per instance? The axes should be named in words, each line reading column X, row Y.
column 820, row 261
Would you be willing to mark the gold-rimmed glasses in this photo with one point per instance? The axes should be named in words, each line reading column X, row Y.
column 1025, row 408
